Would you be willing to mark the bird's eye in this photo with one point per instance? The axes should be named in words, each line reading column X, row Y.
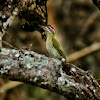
column 51, row 30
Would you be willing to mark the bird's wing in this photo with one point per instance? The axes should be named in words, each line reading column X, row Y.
column 57, row 45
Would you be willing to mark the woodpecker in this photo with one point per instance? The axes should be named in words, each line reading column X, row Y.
column 53, row 46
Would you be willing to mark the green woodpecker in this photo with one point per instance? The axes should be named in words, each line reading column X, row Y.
column 53, row 46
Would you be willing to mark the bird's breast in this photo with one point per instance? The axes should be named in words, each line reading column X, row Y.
column 51, row 49
column 49, row 46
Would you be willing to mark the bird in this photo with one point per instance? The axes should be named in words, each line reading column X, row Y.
column 52, row 44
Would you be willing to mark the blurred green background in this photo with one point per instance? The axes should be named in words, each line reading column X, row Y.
column 77, row 26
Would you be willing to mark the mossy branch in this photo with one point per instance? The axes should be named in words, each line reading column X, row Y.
column 39, row 70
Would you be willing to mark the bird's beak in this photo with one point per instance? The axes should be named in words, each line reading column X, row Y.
column 43, row 27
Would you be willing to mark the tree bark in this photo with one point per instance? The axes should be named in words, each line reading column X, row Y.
column 45, row 72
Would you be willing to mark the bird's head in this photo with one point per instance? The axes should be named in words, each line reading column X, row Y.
column 49, row 29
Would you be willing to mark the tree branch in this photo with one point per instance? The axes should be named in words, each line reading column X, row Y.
column 9, row 85
column 39, row 70
column 72, row 57
column 79, row 54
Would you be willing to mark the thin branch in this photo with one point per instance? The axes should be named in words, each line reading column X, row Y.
column 79, row 54
column 47, row 73
column 9, row 85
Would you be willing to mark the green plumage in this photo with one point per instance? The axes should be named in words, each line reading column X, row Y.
column 57, row 45
column 54, row 48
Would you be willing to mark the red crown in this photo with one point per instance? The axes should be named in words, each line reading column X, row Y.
column 50, row 26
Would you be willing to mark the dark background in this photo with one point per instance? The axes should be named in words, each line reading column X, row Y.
column 77, row 27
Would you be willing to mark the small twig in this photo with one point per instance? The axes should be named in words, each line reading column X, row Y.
column 10, row 36
column 6, row 43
